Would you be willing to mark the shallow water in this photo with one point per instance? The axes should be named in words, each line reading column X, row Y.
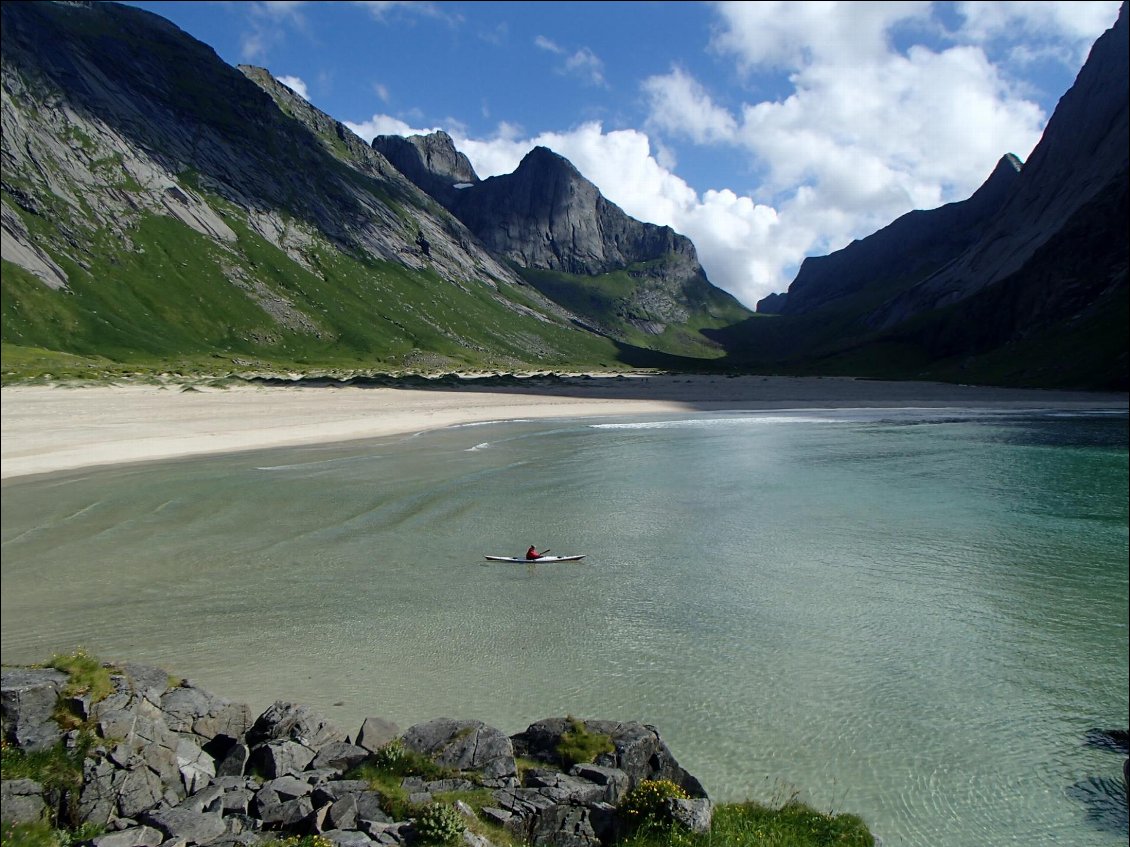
column 914, row 616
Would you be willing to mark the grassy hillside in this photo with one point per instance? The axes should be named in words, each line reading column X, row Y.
column 176, row 299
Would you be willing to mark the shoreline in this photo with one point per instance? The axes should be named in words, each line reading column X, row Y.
column 48, row 429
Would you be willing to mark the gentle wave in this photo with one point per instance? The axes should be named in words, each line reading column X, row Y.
column 711, row 422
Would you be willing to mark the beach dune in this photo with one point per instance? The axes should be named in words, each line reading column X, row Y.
column 60, row 428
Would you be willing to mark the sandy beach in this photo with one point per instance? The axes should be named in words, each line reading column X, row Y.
column 59, row 428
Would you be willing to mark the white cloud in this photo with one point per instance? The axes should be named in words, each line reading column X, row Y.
column 582, row 63
column 548, row 45
column 587, row 66
column 864, row 132
column 679, row 104
column 296, row 85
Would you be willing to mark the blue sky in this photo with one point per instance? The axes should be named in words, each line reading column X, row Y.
column 765, row 131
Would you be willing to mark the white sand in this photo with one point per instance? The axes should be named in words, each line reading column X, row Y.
column 46, row 429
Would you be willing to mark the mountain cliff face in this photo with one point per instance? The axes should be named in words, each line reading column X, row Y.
column 1024, row 283
column 430, row 161
column 160, row 205
column 1083, row 153
column 915, row 245
column 548, row 220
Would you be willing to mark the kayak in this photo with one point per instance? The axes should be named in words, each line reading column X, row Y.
column 539, row 560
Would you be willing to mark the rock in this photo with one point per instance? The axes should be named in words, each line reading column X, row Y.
column 288, row 787
column 134, row 836
column 638, row 750
column 146, row 680
column 189, row 709
column 287, row 815
column 616, row 783
column 348, row 838
column 277, row 758
column 463, row 745
column 21, row 801
column 342, row 813
column 375, row 733
column 234, row 763
column 287, row 721
column 340, row 755
column 192, row 827
column 27, row 706
column 564, row 788
column 695, row 814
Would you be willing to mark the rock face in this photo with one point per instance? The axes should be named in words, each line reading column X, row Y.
column 1025, row 282
column 430, row 161
column 131, row 151
column 1084, row 154
column 172, row 763
column 912, row 247
column 545, row 216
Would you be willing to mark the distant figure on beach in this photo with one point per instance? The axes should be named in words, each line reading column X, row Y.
column 533, row 553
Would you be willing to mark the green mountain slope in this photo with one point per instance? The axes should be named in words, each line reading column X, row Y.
column 163, row 210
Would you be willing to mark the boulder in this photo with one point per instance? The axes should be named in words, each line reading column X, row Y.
column 134, row 836
column 189, row 709
column 277, row 758
column 695, row 814
column 464, row 745
column 21, row 801
column 638, row 750
column 340, row 756
column 614, row 780
column 375, row 733
column 27, row 705
column 348, row 838
column 234, row 762
column 287, row 721
column 187, row 825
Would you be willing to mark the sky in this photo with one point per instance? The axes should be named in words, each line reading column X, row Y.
column 764, row 131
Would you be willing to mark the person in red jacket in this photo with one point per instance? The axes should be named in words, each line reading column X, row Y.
column 533, row 553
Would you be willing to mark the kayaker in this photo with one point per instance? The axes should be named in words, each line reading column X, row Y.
column 533, row 553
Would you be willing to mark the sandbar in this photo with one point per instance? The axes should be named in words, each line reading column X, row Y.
column 53, row 428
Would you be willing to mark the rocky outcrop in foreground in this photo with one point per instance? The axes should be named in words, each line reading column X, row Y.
column 167, row 763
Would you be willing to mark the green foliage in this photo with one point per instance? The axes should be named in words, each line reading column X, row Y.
column 440, row 823
column 387, row 768
column 646, row 804
column 38, row 834
column 579, row 746
column 756, row 825
column 87, row 675
column 298, row 841
column 54, row 768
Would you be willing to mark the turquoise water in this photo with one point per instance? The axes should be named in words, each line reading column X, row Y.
column 914, row 616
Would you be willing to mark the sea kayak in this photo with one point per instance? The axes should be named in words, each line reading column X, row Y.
column 539, row 560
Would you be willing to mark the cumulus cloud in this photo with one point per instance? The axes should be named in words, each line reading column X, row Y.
column 861, row 132
column 296, row 85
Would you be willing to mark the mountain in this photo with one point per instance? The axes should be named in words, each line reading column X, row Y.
column 161, row 208
column 1024, row 283
column 624, row 277
column 914, row 246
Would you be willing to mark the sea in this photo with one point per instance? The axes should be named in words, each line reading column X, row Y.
column 919, row 616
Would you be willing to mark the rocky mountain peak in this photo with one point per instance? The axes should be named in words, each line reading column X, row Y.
column 430, row 161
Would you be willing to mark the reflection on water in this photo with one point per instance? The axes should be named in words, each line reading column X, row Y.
column 912, row 616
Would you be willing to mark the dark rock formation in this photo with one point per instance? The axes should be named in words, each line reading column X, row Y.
column 546, row 216
column 430, row 161
column 150, row 780
column 1084, row 153
column 912, row 247
column 1025, row 283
